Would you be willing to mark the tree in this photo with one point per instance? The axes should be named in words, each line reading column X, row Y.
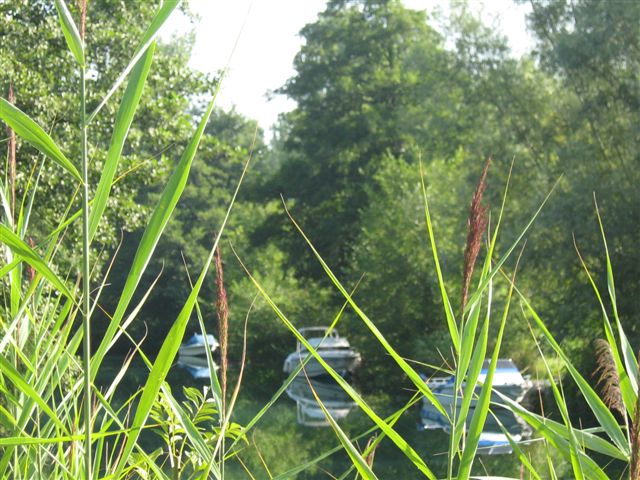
column 593, row 48
column 354, row 82
column 38, row 68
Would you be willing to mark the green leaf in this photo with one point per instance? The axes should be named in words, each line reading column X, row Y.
column 360, row 463
column 151, row 236
column 401, row 362
column 70, row 32
column 147, row 39
column 599, row 409
column 24, row 251
column 448, row 310
column 14, row 376
column 32, row 133
column 402, row 445
column 161, row 366
column 171, row 344
column 124, row 117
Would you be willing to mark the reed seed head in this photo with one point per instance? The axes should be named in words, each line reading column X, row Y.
column 608, row 379
column 82, row 4
column 222, row 309
column 476, row 225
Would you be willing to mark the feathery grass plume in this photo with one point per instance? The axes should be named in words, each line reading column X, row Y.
column 634, row 467
column 608, row 381
column 12, row 157
column 222, row 309
column 82, row 4
column 476, row 225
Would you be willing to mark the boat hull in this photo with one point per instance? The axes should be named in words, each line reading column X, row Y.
column 342, row 362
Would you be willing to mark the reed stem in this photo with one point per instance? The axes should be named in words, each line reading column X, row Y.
column 86, row 357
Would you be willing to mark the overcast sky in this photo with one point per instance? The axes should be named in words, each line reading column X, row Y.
column 267, row 40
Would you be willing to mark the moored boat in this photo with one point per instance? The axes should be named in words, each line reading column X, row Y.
column 197, row 345
column 507, row 380
column 334, row 350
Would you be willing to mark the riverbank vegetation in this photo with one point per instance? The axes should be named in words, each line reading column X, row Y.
column 123, row 179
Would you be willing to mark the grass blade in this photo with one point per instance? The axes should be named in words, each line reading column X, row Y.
column 171, row 344
column 482, row 405
column 448, row 310
column 124, row 117
column 24, row 251
column 402, row 363
column 151, row 235
column 599, row 409
column 70, row 31
column 33, row 134
column 360, row 463
column 630, row 359
column 25, row 387
column 147, row 39
column 402, row 445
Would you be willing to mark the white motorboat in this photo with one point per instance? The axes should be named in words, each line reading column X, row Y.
column 334, row 349
column 507, row 380
column 197, row 344
column 309, row 413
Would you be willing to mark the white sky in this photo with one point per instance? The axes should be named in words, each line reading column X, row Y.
column 263, row 58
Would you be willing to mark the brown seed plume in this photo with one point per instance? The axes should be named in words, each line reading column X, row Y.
column 634, row 467
column 82, row 4
column 12, row 157
column 608, row 379
column 222, row 309
column 476, row 225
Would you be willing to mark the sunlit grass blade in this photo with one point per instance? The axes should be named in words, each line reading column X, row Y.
column 25, row 252
column 358, row 461
column 171, row 344
column 402, row 445
column 630, row 359
column 401, row 362
column 557, row 436
column 524, row 460
column 628, row 386
column 482, row 405
column 70, row 32
column 124, row 117
column 25, row 387
column 597, row 406
column 477, row 361
column 152, row 233
column 161, row 366
column 448, row 310
column 391, row 420
column 574, row 449
column 165, row 10
column 274, row 398
column 33, row 134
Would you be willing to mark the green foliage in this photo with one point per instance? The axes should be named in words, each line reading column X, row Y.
column 34, row 60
